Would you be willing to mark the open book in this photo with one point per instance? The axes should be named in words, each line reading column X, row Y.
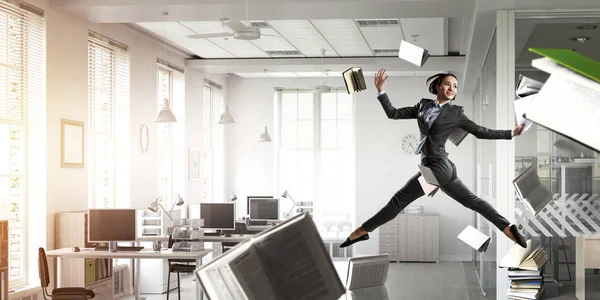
column 569, row 101
column 366, row 277
column 520, row 106
column 474, row 238
column 524, row 259
column 288, row 261
column 532, row 193
column 428, row 182
column 527, row 86
column 412, row 53
column 457, row 136
column 354, row 79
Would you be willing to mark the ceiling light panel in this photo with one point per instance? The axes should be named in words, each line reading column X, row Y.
column 239, row 48
column 176, row 33
column 344, row 36
column 430, row 33
column 303, row 36
column 383, row 37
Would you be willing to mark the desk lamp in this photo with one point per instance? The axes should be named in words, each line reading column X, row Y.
column 233, row 197
column 285, row 195
column 154, row 205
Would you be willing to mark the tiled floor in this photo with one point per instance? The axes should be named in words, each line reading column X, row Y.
column 423, row 281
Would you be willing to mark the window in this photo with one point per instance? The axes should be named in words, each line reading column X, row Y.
column 316, row 156
column 212, row 158
column 164, row 134
column 22, row 124
column 108, row 130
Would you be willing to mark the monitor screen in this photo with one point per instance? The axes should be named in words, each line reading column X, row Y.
column 218, row 215
column 264, row 209
column 111, row 225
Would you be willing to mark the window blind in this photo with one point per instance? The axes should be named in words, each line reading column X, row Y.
column 22, row 66
column 213, row 142
column 108, row 107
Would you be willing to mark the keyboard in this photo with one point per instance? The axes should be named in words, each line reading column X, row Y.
column 258, row 222
column 120, row 248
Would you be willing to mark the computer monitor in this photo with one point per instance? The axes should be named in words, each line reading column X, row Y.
column 219, row 216
column 111, row 225
column 264, row 209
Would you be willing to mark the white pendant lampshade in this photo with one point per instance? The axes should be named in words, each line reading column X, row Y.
column 226, row 118
column 264, row 137
column 165, row 115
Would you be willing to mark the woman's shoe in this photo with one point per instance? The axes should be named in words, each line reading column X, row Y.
column 520, row 239
column 349, row 242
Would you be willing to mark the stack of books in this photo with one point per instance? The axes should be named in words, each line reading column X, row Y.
column 525, row 272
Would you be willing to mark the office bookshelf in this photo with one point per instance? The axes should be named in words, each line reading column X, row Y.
column 4, row 260
column 70, row 230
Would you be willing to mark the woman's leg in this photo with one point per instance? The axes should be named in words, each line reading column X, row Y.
column 410, row 192
column 456, row 189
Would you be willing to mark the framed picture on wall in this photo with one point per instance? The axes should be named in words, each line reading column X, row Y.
column 194, row 164
column 72, row 144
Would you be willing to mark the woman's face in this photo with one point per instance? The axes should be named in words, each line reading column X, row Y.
column 446, row 90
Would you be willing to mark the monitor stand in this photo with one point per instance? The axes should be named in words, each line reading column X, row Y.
column 112, row 246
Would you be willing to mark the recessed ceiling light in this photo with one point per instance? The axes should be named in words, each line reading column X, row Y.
column 587, row 27
column 581, row 39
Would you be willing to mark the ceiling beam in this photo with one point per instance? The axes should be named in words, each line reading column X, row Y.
column 128, row 11
column 219, row 66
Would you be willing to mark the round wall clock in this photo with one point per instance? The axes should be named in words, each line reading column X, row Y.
column 409, row 144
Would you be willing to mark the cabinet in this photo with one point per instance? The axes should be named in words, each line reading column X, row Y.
column 70, row 230
column 411, row 237
column 3, row 260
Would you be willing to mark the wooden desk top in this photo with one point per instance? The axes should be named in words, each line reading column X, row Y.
column 144, row 254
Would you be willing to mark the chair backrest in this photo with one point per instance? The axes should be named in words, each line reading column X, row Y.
column 241, row 228
column 171, row 241
column 43, row 268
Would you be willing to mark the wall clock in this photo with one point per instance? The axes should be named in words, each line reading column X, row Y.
column 409, row 144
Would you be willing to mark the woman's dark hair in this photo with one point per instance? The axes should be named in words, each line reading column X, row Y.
column 437, row 80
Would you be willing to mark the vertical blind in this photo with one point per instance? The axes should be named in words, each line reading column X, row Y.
column 108, row 105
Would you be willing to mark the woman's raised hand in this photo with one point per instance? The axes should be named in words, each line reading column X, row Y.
column 380, row 79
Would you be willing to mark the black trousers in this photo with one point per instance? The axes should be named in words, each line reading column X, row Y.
column 445, row 172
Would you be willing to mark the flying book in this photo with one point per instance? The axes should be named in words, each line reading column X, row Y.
column 412, row 53
column 428, row 182
column 288, row 261
column 569, row 101
column 366, row 277
column 532, row 193
column 354, row 79
column 457, row 136
column 525, row 259
column 474, row 238
column 527, row 86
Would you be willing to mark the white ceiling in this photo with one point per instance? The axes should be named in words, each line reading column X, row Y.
column 306, row 38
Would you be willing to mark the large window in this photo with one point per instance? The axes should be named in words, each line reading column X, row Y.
column 164, row 132
column 109, row 138
column 22, row 124
column 316, row 156
column 212, row 159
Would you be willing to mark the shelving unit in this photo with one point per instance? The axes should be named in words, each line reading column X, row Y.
column 70, row 230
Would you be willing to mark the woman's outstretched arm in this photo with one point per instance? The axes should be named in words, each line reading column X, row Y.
column 390, row 110
column 481, row 132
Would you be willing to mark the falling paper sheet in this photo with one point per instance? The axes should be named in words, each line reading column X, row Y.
column 520, row 109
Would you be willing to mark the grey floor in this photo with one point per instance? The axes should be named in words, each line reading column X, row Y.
column 426, row 281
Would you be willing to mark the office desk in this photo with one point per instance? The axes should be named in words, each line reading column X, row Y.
column 59, row 254
column 234, row 238
column 587, row 256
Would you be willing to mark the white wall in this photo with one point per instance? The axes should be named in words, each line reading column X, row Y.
column 381, row 167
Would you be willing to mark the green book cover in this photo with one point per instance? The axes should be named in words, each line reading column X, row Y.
column 572, row 60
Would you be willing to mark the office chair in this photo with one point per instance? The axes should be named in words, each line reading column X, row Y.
column 178, row 266
column 67, row 293
column 240, row 228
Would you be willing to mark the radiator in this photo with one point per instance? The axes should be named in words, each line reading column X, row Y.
column 27, row 293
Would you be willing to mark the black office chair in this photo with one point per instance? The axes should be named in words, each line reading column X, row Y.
column 178, row 266
column 240, row 228
column 66, row 293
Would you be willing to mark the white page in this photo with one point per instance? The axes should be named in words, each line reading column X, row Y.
column 367, row 271
column 473, row 237
column 516, row 254
column 520, row 109
column 251, row 276
column 411, row 53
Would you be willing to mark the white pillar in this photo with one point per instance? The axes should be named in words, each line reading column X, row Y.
column 505, row 151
